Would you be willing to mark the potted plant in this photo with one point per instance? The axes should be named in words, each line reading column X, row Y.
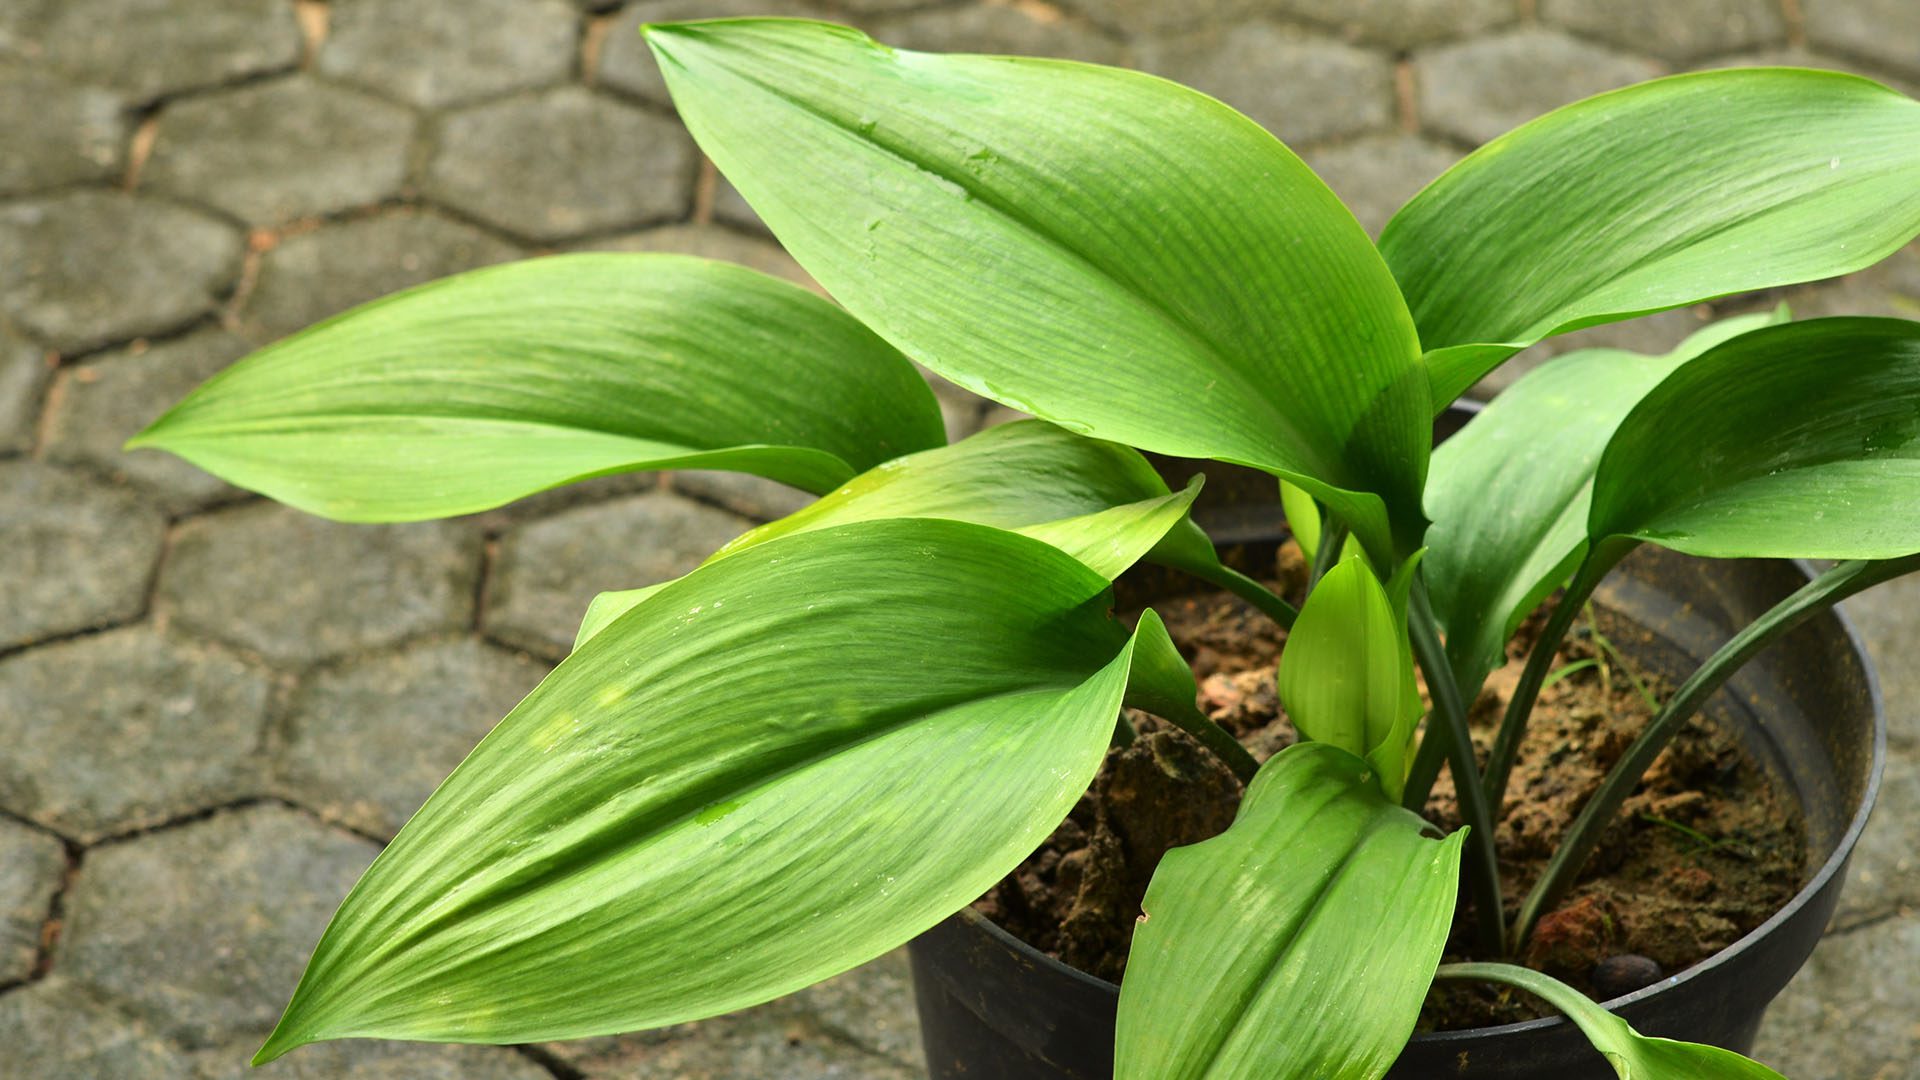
column 851, row 722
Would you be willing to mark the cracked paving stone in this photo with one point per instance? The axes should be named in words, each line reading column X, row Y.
column 1300, row 87
column 1479, row 89
column 24, row 373
column 750, row 496
column 1376, row 175
column 156, row 48
column 581, row 163
column 711, row 242
column 1400, row 24
column 56, row 1028
column 77, row 553
column 1849, row 1014
column 1000, row 29
column 127, row 729
column 312, row 275
column 436, row 55
column 549, row 570
column 361, row 1059
column 107, row 400
column 290, row 148
column 56, row 132
column 1882, row 31
column 202, row 930
column 1884, row 876
column 626, row 63
column 369, row 741
column 1884, row 618
column 1676, row 32
column 298, row 589
column 32, row 865
column 88, row 268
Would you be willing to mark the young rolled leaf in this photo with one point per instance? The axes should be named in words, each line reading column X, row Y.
column 1120, row 255
column 475, row 390
column 1633, row 1056
column 1161, row 682
column 1249, row 960
column 1658, row 195
column 697, row 811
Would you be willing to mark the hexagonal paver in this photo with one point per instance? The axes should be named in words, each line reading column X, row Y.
column 297, row 588
column 156, row 48
column 548, row 570
column 359, row 1059
column 1479, row 89
column 1376, row 175
column 32, row 865
column 105, row 401
column 1883, row 31
column 74, row 553
column 581, row 163
column 1001, row 29
column 56, row 132
column 284, row 149
column 753, row 497
column 1849, row 1014
column 202, row 930
column 56, row 1028
column 435, row 55
column 370, row 740
column 1884, row 876
column 1401, row 24
column 1301, row 88
column 1138, row 18
column 148, row 728
column 312, row 275
column 711, row 242
column 24, row 372
column 626, row 64
column 1677, row 32
column 89, row 268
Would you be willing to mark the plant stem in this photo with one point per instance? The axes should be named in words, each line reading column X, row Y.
column 1449, row 723
column 1551, row 990
column 1246, row 589
column 1831, row 587
column 1333, row 537
column 1427, row 760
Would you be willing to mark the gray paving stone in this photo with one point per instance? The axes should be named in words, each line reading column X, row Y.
column 1884, row 876
column 105, row 401
column 1000, row 29
column 56, row 132
column 1476, row 90
column 285, row 149
column 548, row 570
column 1144, row 18
column 582, row 163
column 126, row 729
column 24, row 373
column 202, row 930
column 298, row 589
column 55, row 1029
column 544, row 504
column 156, row 48
column 731, row 207
column 89, row 268
column 1884, row 616
column 358, row 1059
column 1401, row 24
column 1674, row 31
column 626, row 64
column 1376, row 174
column 77, row 553
column 1301, row 87
column 435, row 55
column 32, row 865
column 711, row 242
column 1849, row 1014
column 311, row 275
column 369, row 740
column 1883, row 31
column 872, row 1005
column 752, row 497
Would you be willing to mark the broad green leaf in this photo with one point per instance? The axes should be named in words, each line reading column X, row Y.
column 1799, row 441
column 1111, row 540
column 605, row 607
column 1298, row 943
column 1103, row 249
column 781, row 766
column 1633, row 1056
column 1509, row 494
column 1658, row 195
column 472, row 391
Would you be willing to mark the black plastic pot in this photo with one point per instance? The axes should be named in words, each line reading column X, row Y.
column 1808, row 710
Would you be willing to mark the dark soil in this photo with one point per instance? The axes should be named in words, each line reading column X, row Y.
column 1706, row 850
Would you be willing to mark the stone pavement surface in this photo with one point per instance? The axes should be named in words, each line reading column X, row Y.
column 214, row 710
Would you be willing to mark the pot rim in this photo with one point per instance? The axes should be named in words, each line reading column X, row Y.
column 1831, row 867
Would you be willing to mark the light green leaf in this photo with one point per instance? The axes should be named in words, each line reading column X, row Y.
column 1101, row 248
column 472, row 391
column 1298, row 943
column 781, row 766
column 1794, row 441
column 1658, row 195
column 608, row 606
column 1111, row 540
column 1509, row 494
column 1161, row 682
column 1303, row 518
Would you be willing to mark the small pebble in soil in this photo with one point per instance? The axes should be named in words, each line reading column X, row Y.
column 1623, row 974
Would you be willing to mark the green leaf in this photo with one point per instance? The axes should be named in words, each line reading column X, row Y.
column 1658, row 195
column 1633, row 1056
column 781, row 766
column 472, row 391
column 1103, row 249
column 1509, row 494
column 1298, row 943
column 1161, row 682
column 1303, row 518
column 1794, row 441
